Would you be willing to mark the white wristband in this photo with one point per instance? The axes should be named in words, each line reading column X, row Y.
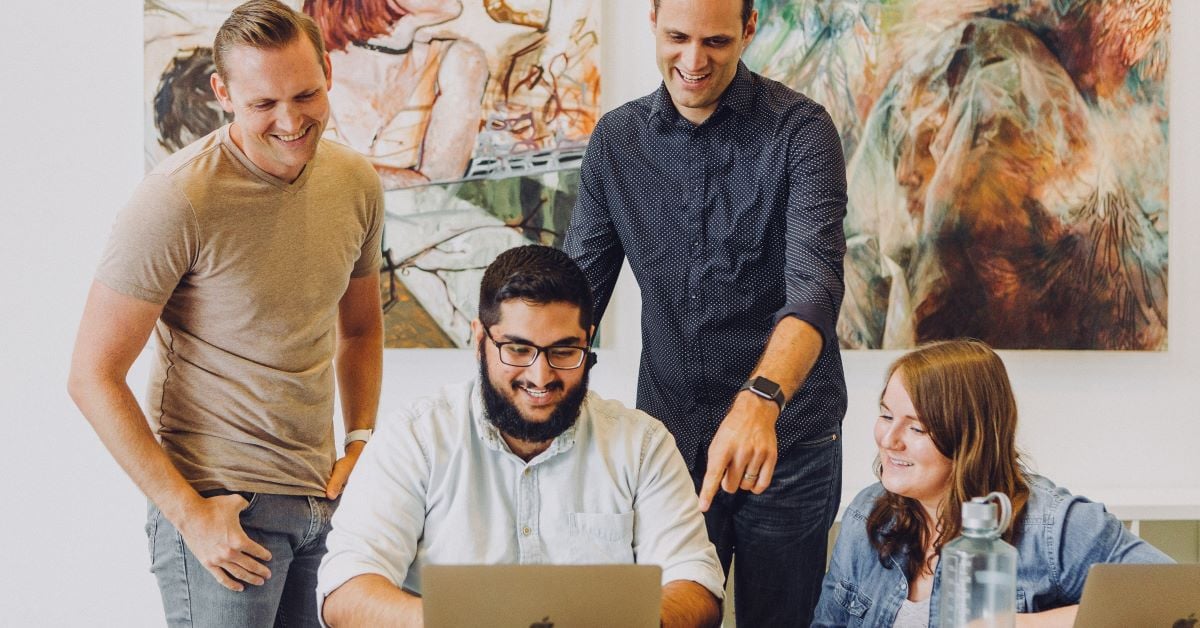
column 357, row 435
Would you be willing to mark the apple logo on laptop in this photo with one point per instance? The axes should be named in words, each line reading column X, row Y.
column 546, row 623
column 1186, row 622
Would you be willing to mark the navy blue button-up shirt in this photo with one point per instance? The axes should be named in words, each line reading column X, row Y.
column 728, row 226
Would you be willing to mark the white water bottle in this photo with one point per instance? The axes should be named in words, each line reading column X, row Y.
column 979, row 570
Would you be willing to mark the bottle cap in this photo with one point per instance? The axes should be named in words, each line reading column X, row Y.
column 979, row 515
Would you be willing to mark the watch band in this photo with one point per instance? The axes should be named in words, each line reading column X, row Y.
column 363, row 435
column 765, row 388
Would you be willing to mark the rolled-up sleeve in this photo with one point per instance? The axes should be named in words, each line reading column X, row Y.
column 668, row 525
column 382, row 513
column 816, row 208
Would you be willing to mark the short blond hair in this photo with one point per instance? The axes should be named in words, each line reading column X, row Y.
column 264, row 24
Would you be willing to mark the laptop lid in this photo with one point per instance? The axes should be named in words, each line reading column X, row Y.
column 1127, row 596
column 541, row 596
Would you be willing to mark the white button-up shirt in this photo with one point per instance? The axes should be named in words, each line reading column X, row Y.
column 438, row 484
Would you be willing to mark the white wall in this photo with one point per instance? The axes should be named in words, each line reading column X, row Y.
column 72, row 551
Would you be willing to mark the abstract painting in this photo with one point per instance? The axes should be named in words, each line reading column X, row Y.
column 475, row 114
column 1007, row 164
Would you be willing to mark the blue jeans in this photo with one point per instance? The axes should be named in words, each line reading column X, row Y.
column 292, row 528
column 779, row 538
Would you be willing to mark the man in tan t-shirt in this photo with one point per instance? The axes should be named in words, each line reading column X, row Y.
column 252, row 255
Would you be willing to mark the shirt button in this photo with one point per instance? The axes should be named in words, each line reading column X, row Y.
column 526, row 531
column 528, row 470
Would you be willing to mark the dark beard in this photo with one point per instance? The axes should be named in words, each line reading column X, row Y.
column 507, row 418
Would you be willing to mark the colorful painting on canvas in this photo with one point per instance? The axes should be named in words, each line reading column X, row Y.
column 475, row 113
column 1006, row 161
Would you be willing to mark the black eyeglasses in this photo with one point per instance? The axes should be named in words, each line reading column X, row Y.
column 561, row 357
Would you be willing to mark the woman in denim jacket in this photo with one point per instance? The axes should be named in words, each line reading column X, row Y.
column 946, row 433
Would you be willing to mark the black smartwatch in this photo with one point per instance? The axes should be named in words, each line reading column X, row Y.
column 766, row 389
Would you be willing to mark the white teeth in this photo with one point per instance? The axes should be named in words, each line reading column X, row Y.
column 692, row 77
column 900, row 463
column 536, row 392
column 292, row 138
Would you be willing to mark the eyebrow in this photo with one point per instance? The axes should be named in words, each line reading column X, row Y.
column 568, row 340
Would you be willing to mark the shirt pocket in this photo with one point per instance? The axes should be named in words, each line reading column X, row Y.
column 856, row 603
column 600, row 537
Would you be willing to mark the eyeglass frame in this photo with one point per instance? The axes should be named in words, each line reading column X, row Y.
column 538, row 351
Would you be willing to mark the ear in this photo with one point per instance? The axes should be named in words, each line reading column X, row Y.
column 591, row 333
column 221, row 91
column 653, row 18
column 328, row 72
column 477, row 332
column 751, row 28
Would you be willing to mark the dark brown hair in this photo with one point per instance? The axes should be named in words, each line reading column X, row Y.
column 747, row 9
column 536, row 274
column 962, row 396
column 347, row 21
column 264, row 24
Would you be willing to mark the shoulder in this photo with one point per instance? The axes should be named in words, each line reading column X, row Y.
column 614, row 420
column 438, row 418
column 633, row 114
column 194, row 159
column 778, row 99
column 862, row 504
column 346, row 165
column 794, row 114
column 1047, row 503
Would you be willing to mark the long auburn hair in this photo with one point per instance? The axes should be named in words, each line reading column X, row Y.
column 346, row 21
column 962, row 396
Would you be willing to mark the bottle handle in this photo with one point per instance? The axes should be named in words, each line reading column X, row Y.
column 1006, row 512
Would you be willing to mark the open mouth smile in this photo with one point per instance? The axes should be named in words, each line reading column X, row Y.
column 691, row 79
column 295, row 137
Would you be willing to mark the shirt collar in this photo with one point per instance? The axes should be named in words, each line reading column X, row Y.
column 492, row 439
column 738, row 97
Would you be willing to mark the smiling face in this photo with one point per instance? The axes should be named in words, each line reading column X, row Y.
column 280, row 104
column 912, row 466
column 523, row 398
column 698, row 44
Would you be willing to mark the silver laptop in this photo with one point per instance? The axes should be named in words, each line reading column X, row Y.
column 541, row 596
column 1131, row 596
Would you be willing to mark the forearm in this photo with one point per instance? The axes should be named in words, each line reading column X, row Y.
column 686, row 603
column 791, row 352
column 1064, row 617
column 372, row 600
column 111, row 408
column 359, row 365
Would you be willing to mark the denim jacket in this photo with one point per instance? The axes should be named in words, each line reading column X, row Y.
column 1061, row 536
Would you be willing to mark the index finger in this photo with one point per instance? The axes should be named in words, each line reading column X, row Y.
column 712, row 479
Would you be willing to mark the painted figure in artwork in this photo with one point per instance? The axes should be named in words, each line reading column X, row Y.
column 1007, row 171
column 407, row 98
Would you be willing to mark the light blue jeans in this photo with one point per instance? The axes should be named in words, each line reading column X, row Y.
column 292, row 528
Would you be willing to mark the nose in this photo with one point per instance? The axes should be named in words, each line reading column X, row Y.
column 288, row 117
column 891, row 437
column 692, row 57
column 540, row 372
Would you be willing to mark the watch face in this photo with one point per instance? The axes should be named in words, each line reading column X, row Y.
column 764, row 387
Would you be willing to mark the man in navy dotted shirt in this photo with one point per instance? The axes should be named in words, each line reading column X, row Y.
column 726, row 192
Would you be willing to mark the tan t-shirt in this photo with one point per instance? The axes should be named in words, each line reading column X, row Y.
column 250, row 269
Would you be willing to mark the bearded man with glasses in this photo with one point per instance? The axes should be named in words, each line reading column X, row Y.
column 519, row 465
